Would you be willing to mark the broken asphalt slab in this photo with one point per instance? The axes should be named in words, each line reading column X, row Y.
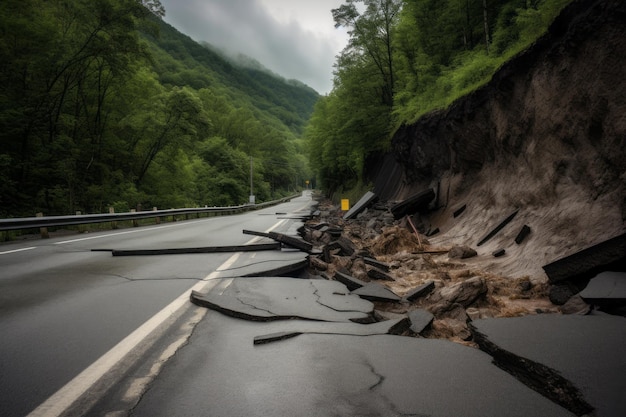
column 269, row 299
column 374, row 291
column 220, row 372
column 367, row 199
column 598, row 256
column 413, row 204
column 298, row 327
column 606, row 286
column 552, row 350
column 420, row 320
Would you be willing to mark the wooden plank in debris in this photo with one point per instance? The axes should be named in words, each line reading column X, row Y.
column 588, row 260
column 525, row 231
column 208, row 249
column 378, row 264
column 459, row 211
column 416, row 203
column 367, row 199
column 375, row 273
column 496, row 229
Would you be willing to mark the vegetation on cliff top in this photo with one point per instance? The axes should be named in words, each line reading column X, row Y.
column 103, row 104
column 406, row 58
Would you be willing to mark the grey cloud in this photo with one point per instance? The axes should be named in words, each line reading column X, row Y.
column 245, row 26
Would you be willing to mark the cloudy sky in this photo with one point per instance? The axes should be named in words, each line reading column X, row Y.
column 294, row 38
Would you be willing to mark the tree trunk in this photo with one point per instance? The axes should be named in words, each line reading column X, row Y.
column 486, row 25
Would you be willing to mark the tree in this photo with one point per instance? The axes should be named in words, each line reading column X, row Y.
column 371, row 36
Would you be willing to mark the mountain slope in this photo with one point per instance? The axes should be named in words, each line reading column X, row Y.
column 200, row 66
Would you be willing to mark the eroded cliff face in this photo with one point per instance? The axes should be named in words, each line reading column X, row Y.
column 546, row 136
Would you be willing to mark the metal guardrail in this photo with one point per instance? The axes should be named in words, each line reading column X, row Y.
column 35, row 222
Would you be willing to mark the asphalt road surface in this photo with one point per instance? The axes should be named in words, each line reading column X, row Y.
column 69, row 310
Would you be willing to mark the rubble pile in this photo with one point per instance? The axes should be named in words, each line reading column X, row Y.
column 375, row 248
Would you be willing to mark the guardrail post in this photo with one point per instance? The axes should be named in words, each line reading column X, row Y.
column 43, row 230
column 113, row 223
column 135, row 223
column 157, row 219
column 81, row 227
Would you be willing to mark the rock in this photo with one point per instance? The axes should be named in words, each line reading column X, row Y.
column 420, row 320
column 372, row 224
column 461, row 252
column 575, row 305
column 451, row 311
column 452, row 328
column 317, row 234
column 347, row 246
column 463, row 293
column 317, row 263
column 525, row 285
column 388, row 219
column 559, row 294
column 420, row 291
column 461, row 273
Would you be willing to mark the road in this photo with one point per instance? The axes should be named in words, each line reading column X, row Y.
column 66, row 303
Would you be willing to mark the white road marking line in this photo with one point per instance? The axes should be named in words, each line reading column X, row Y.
column 126, row 232
column 60, row 401
column 17, row 250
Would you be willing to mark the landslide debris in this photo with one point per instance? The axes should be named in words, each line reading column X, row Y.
column 448, row 281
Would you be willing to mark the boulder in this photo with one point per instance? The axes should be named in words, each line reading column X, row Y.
column 461, row 252
column 559, row 294
column 463, row 293
column 575, row 305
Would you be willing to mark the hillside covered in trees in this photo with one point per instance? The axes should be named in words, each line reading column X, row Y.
column 406, row 58
column 103, row 104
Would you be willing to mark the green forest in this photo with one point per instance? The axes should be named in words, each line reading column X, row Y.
column 102, row 104
column 406, row 58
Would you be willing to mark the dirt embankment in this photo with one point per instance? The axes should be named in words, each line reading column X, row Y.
column 547, row 137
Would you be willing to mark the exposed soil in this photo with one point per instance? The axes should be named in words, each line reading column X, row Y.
column 546, row 138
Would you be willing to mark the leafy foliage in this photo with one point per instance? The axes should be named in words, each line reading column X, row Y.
column 103, row 104
column 407, row 58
